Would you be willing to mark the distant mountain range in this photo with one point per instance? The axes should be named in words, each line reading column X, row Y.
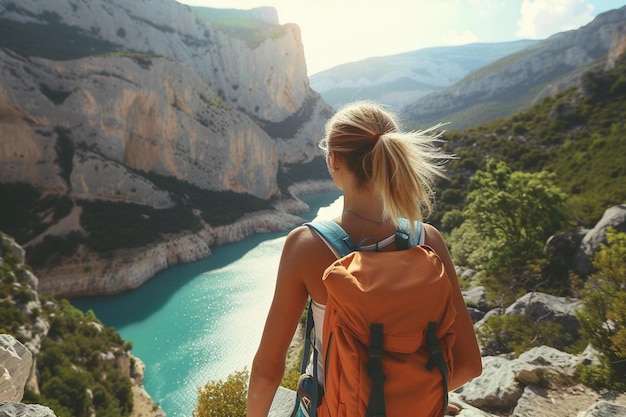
column 472, row 84
column 398, row 80
column 510, row 84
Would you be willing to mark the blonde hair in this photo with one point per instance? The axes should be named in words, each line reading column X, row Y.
column 400, row 166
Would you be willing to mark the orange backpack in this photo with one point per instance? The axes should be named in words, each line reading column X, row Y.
column 387, row 336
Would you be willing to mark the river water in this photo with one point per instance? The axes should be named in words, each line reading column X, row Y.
column 201, row 321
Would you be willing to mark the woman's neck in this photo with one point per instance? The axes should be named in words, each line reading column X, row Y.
column 363, row 205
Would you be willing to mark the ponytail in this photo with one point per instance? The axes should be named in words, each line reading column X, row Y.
column 399, row 166
column 404, row 166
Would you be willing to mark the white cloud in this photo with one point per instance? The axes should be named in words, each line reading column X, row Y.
column 542, row 18
column 460, row 38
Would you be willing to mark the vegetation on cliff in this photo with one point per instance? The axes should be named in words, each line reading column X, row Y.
column 109, row 226
column 577, row 135
column 80, row 361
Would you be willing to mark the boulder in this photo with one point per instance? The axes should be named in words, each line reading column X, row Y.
column 613, row 217
column 15, row 366
column 11, row 409
column 503, row 381
column 476, row 297
column 539, row 306
column 283, row 403
column 604, row 409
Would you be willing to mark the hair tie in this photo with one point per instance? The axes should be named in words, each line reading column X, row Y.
column 377, row 136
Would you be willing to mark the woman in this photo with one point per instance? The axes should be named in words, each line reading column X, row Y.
column 384, row 174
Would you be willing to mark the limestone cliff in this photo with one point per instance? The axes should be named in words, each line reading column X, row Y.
column 155, row 89
column 149, row 104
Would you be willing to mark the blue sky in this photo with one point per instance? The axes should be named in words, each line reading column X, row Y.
column 339, row 31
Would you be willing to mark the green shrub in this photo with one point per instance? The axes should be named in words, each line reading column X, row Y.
column 603, row 316
column 224, row 398
column 519, row 333
column 70, row 365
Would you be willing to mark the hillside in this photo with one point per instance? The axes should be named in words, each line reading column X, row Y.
column 576, row 134
column 514, row 82
column 401, row 79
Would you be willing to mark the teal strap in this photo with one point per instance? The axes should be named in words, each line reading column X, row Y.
column 334, row 235
column 341, row 244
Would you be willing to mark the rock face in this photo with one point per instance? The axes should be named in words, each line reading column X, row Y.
column 528, row 70
column 11, row 409
column 15, row 365
column 156, row 90
column 618, row 45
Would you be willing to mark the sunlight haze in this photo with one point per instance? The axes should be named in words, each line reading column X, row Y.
column 336, row 32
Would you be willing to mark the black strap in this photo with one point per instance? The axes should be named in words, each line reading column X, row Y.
column 436, row 359
column 306, row 357
column 376, row 406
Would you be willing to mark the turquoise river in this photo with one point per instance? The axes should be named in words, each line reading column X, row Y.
column 201, row 321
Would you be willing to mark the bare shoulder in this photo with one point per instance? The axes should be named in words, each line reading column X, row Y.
column 306, row 245
column 433, row 238
column 302, row 238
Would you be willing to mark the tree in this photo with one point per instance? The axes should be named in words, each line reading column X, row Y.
column 224, row 398
column 508, row 217
column 603, row 316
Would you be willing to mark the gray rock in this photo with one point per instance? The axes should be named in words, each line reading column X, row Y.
column 613, row 217
column 503, row 380
column 11, row 409
column 604, row 409
column 540, row 306
column 468, row 274
column 527, row 404
column 283, row 403
column 15, row 365
column 476, row 297
column 496, row 388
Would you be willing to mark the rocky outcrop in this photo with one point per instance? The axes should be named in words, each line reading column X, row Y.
column 618, row 46
column 15, row 367
column 614, row 217
column 536, row 66
column 537, row 307
column 12, row 409
column 604, row 409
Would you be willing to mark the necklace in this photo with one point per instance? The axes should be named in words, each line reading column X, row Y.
column 377, row 222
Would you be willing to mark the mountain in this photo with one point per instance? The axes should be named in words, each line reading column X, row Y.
column 124, row 123
column 398, row 80
column 510, row 84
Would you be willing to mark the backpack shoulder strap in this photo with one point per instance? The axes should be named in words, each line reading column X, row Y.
column 341, row 244
column 405, row 239
column 335, row 237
